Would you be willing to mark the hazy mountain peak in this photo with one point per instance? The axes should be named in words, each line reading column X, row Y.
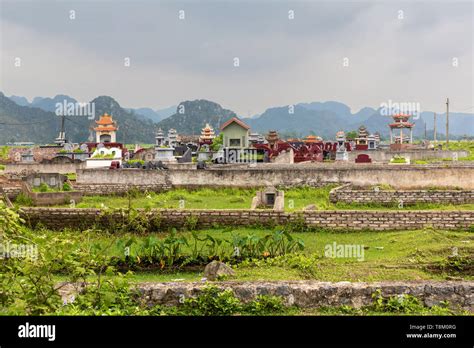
column 22, row 101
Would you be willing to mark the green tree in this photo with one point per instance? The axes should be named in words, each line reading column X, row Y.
column 351, row 135
column 217, row 142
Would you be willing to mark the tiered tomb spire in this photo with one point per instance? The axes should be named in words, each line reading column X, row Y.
column 106, row 129
column 401, row 122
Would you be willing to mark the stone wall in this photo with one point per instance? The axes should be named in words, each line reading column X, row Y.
column 314, row 294
column 27, row 168
column 261, row 175
column 11, row 187
column 12, row 192
column 58, row 218
column 408, row 197
column 413, row 155
column 118, row 189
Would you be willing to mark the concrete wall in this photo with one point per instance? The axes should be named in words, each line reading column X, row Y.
column 403, row 177
column 58, row 218
column 349, row 195
column 386, row 156
column 62, row 168
column 55, row 198
column 117, row 189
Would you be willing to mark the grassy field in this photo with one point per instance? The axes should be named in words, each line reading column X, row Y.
column 400, row 255
column 454, row 145
column 206, row 198
column 228, row 198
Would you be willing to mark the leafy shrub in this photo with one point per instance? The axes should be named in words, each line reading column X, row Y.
column 66, row 187
column 306, row 265
column 264, row 304
column 128, row 220
column 298, row 224
column 133, row 161
column 106, row 296
column 457, row 263
column 405, row 304
column 71, row 176
column 191, row 222
column 24, row 200
column 213, row 302
column 43, row 187
column 398, row 159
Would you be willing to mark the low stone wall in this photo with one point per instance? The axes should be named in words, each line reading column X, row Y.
column 12, row 191
column 118, row 189
column 352, row 195
column 27, row 168
column 262, row 175
column 11, row 187
column 314, row 294
column 55, row 198
column 413, row 155
column 58, row 218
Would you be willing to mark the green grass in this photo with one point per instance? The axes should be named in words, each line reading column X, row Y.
column 4, row 150
column 71, row 176
column 398, row 255
column 394, row 206
column 454, row 145
column 206, row 198
column 132, row 146
column 233, row 198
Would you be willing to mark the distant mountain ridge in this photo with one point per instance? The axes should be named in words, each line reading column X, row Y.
column 154, row 115
column 189, row 117
column 34, row 123
column 327, row 118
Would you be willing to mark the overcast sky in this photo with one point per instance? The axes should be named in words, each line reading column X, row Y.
column 282, row 61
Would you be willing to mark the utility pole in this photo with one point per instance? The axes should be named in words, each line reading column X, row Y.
column 434, row 128
column 447, row 123
column 425, row 132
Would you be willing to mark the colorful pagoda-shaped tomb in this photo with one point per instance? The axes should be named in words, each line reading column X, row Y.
column 401, row 122
column 106, row 129
column 207, row 135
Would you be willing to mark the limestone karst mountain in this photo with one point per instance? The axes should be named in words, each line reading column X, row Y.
column 191, row 116
column 21, row 120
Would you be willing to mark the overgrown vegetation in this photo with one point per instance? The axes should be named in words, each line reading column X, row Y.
column 4, row 151
column 31, row 283
column 236, row 198
column 23, row 199
column 177, row 250
column 43, row 187
column 398, row 159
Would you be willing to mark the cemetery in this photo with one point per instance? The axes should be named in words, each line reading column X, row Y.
column 195, row 172
column 308, row 226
